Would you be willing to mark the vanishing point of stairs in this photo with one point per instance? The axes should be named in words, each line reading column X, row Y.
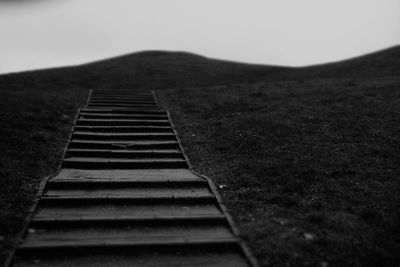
column 125, row 196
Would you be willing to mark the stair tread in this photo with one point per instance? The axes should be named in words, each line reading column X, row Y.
column 128, row 242
column 207, row 257
column 141, row 175
column 121, row 114
column 151, row 151
column 129, row 110
column 106, row 160
column 128, row 232
column 124, row 142
column 87, row 210
column 123, row 129
column 164, row 120
column 89, row 219
column 130, row 191
column 121, row 134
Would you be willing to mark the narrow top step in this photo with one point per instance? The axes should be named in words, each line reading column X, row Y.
column 123, row 110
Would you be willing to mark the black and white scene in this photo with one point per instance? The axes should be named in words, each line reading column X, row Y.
column 212, row 133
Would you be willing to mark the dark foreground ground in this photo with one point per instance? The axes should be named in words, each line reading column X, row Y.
column 307, row 160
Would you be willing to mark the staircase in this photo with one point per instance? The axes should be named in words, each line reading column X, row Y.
column 125, row 196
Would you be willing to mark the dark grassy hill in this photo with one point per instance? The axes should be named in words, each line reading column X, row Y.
column 379, row 64
column 307, row 159
column 308, row 155
column 147, row 70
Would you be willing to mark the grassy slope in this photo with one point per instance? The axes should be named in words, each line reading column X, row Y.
column 315, row 153
column 36, row 118
column 307, row 161
column 37, row 110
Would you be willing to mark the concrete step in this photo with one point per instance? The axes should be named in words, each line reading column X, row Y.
column 118, row 103
column 133, row 243
column 123, row 145
column 112, row 104
column 122, row 116
column 133, row 97
column 61, row 201
column 96, row 183
column 96, row 234
column 121, row 122
column 133, row 190
column 122, row 136
column 124, row 111
column 143, row 176
column 114, row 208
column 123, row 163
column 160, row 153
column 74, row 222
column 202, row 255
column 123, row 129
column 120, row 94
column 123, row 101
column 115, row 92
column 123, row 98
column 125, row 108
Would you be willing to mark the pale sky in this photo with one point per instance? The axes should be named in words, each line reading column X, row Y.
column 46, row 33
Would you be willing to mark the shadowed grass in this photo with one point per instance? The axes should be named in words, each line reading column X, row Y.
column 309, row 170
column 307, row 158
column 36, row 120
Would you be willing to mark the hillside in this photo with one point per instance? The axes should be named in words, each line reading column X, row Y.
column 383, row 63
column 307, row 156
column 147, row 70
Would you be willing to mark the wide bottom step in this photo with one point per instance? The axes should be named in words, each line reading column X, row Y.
column 120, row 163
column 133, row 257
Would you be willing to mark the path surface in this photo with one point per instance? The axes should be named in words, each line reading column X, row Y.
column 126, row 197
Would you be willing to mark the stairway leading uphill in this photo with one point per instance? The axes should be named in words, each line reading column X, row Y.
column 125, row 196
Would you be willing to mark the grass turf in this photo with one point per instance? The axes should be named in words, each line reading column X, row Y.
column 309, row 170
column 305, row 158
column 36, row 120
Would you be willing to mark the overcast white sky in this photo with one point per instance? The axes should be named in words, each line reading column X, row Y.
column 46, row 33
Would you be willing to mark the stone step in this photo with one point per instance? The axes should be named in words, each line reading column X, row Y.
column 133, row 243
column 124, row 145
column 124, row 98
column 123, row 129
column 125, row 108
column 115, row 92
column 77, row 201
column 124, row 111
column 124, row 190
column 122, row 94
column 121, row 101
column 101, row 104
column 121, row 122
column 94, row 235
column 160, row 153
column 202, row 255
column 74, row 222
column 143, row 176
column 115, row 208
column 123, row 163
column 123, row 116
column 83, row 182
column 122, row 136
